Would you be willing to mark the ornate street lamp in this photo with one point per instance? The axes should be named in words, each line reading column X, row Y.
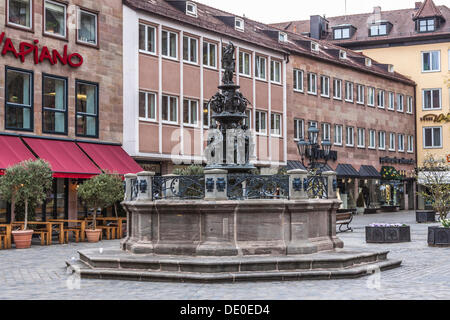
column 312, row 150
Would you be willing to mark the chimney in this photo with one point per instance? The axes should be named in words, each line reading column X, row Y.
column 418, row 5
column 318, row 26
column 377, row 10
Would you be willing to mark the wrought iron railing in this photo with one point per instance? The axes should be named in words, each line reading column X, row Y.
column 134, row 189
column 178, row 187
column 248, row 186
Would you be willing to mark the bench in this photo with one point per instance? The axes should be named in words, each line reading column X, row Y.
column 3, row 242
column 44, row 235
column 76, row 233
column 344, row 219
column 5, row 236
column 111, row 232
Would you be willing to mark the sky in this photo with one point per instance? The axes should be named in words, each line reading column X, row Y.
column 272, row 11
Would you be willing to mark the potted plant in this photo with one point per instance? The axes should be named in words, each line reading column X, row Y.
column 360, row 206
column 100, row 192
column 388, row 233
column 19, row 184
column 432, row 175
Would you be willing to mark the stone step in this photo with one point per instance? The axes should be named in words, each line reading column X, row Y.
column 87, row 272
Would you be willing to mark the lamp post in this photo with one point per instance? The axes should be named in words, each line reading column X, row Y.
column 312, row 150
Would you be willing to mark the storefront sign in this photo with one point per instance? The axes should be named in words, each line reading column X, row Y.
column 396, row 160
column 436, row 118
column 74, row 60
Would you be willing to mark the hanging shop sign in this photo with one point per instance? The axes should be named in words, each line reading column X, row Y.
column 437, row 118
column 396, row 160
column 39, row 55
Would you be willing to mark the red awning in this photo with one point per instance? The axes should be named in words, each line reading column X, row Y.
column 65, row 157
column 110, row 158
column 12, row 151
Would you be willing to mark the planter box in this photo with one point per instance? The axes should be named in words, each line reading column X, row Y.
column 425, row 216
column 438, row 237
column 372, row 210
column 388, row 234
column 390, row 208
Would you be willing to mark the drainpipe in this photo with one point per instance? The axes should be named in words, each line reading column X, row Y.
column 416, row 196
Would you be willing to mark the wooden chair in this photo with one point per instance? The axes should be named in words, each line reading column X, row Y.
column 3, row 242
column 76, row 233
column 44, row 235
column 108, row 230
column 5, row 236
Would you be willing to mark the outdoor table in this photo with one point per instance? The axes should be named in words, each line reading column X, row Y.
column 7, row 244
column 81, row 222
column 48, row 228
column 119, row 222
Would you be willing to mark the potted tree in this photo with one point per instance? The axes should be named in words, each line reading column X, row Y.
column 433, row 176
column 27, row 183
column 360, row 206
column 97, row 193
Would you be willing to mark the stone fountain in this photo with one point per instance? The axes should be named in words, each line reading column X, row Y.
column 230, row 225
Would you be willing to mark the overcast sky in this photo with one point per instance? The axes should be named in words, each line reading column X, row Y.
column 270, row 11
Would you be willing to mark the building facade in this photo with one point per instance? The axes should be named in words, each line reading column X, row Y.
column 61, row 93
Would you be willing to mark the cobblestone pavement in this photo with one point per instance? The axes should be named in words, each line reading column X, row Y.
column 40, row 273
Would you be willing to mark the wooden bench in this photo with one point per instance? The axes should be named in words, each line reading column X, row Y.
column 110, row 231
column 344, row 219
column 5, row 236
column 3, row 242
column 76, row 233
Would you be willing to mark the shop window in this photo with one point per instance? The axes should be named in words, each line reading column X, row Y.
column 169, row 109
column 147, row 106
column 298, row 80
column 190, row 112
column 86, row 109
column 190, row 49
column 54, row 104
column 147, row 39
column 19, row 99
column 260, row 69
column 244, row 63
column 275, row 72
column 55, row 18
column 20, row 13
column 87, row 27
column 169, row 44
column 261, row 122
column 209, row 54
column 275, row 124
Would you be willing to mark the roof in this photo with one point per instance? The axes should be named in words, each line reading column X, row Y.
column 403, row 25
column 346, row 171
column 262, row 35
column 367, row 172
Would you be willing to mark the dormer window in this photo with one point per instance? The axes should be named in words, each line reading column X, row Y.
column 342, row 33
column 239, row 24
column 368, row 62
column 378, row 30
column 426, row 25
column 191, row 9
column 391, row 68
column 282, row 37
column 314, row 46
column 342, row 54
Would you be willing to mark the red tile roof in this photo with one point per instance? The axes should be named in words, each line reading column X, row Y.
column 263, row 35
column 427, row 10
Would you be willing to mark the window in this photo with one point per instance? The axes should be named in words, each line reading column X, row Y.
column 350, row 138
column 244, row 63
column 87, row 109
column 381, row 140
column 410, row 144
column 431, row 61
column 400, row 99
column 371, row 96
column 426, row 25
column 312, row 83
column 342, row 54
column 324, row 86
column 360, row 94
column 191, row 9
column 282, row 37
column 147, row 38
column 409, row 104
column 87, row 27
column 209, row 54
column 147, row 106
column 260, row 70
column 391, row 105
column 432, row 137
column 342, row 33
column 169, row 109
column 338, row 135
column 248, row 120
column 368, row 62
column 314, row 46
column 337, row 89
column 275, row 71
column 361, row 138
column 392, row 142
column 348, row 91
column 169, row 44
column 239, row 24
column 326, row 132
column 19, row 99
column 431, row 99
column 299, row 129
column 378, row 30
column 55, row 18
column 190, row 112
column 401, row 143
column 372, row 139
column 381, row 99
column 261, row 122
column 20, row 13
column 190, row 49
column 206, row 115
column 312, row 124
column 275, row 124
column 54, row 104
column 298, row 80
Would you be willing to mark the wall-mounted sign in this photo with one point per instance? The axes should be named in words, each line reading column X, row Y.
column 396, row 160
column 40, row 55
column 448, row 158
column 436, row 118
